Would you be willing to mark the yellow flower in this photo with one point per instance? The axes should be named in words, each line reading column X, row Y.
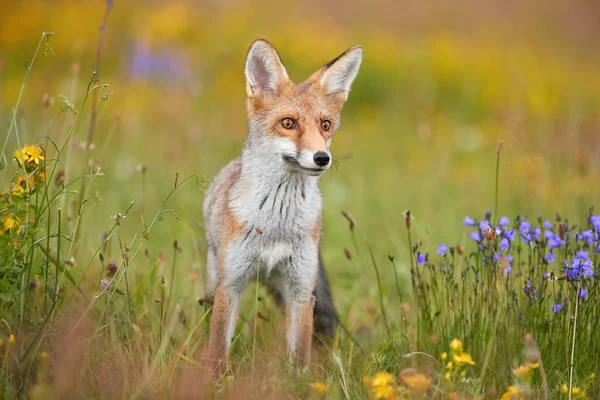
column 11, row 339
column 35, row 153
column 449, row 365
column 416, row 381
column 512, row 393
column 20, row 187
column 43, row 355
column 21, row 157
column 29, row 156
column 381, row 386
column 564, row 388
column 444, row 356
column 447, row 376
column 382, row 379
column 463, row 359
column 457, row 346
column 576, row 391
column 319, row 387
column 12, row 223
column 463, row 373
column 524, row 371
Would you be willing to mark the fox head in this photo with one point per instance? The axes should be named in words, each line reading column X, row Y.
column 294, row 123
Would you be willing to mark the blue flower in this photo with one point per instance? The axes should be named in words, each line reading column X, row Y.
column 549, row 258
column 582, row 255
column 510, row 234
column 442, row 249
column 545, row 275
column 587, row 236
column 595, row 221
column 583, row 293
column 548, row 225
column 468, row 221
column 421, row 259
column 524, row 227
column 475, row 236
column 537, row 233
column 504, row 221
column 488, row 214
column 555, row 242
column 485, row 224
column 557, row 308
column 504, row 244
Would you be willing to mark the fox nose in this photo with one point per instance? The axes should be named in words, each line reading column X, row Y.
column 321, row 158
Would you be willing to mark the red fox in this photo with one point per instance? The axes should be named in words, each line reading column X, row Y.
column 263, row 210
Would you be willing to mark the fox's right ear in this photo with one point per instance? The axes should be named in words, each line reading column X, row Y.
column 264, row 69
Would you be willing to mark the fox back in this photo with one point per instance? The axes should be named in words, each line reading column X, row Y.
column 263, row 210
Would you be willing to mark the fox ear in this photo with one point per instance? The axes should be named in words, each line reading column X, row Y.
column 339, row 73
column 264, row 69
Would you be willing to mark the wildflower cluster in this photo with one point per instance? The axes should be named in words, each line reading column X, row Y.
column 457, row 363
column 410, row 384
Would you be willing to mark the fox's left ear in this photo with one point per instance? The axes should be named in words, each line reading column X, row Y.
column 338, row 74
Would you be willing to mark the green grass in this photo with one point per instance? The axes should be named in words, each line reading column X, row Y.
column 420, row 132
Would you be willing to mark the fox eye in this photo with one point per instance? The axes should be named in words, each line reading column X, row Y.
column 288, row 123
column 326, row 125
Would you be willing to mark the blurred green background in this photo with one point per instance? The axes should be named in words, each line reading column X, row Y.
column 441, row 84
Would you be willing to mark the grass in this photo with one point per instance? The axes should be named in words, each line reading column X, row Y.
column 420, row 133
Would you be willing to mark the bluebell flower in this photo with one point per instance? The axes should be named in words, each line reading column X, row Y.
column 548, row 234
column 525, row 227
column 504, row 221
column 488, row 214
column 504, row 244
column 595, row 221
column 475, row 236
column 507, row 270
column 484, row 224
column 557, row 308
column 549, row 258
column 545, row 275
column 468, row 221
column 588, row 236
column 421, row 259
column 548, row 225
column 583, row 293
column 537, row 233
column 442, row 249
column 582, row 255
column 510, row 234
column 555, row 242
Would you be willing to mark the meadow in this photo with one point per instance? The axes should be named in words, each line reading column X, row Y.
column 460, row 235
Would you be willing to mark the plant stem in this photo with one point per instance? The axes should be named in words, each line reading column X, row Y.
column 572, row 364
column 495, row 211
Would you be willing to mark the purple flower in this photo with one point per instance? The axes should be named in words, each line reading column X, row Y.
column 582, row 255
column 587, row 236
column 510, row 234
column 537, row 233
column 583, row 293
column 549, row 258
column 468, row 221
column 504, row 221
column 421, row 259
column 442, row 249
column 105, row 285
column 545, row 275
column 485, row 224
column 555, row 242
column 557, row 308
column 525, row 227
column 475, row 236
column 548, row 225
column 507, row 270
column 504, row 244
column 595, row 221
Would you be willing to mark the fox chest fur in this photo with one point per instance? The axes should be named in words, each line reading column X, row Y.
column 270, row 222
